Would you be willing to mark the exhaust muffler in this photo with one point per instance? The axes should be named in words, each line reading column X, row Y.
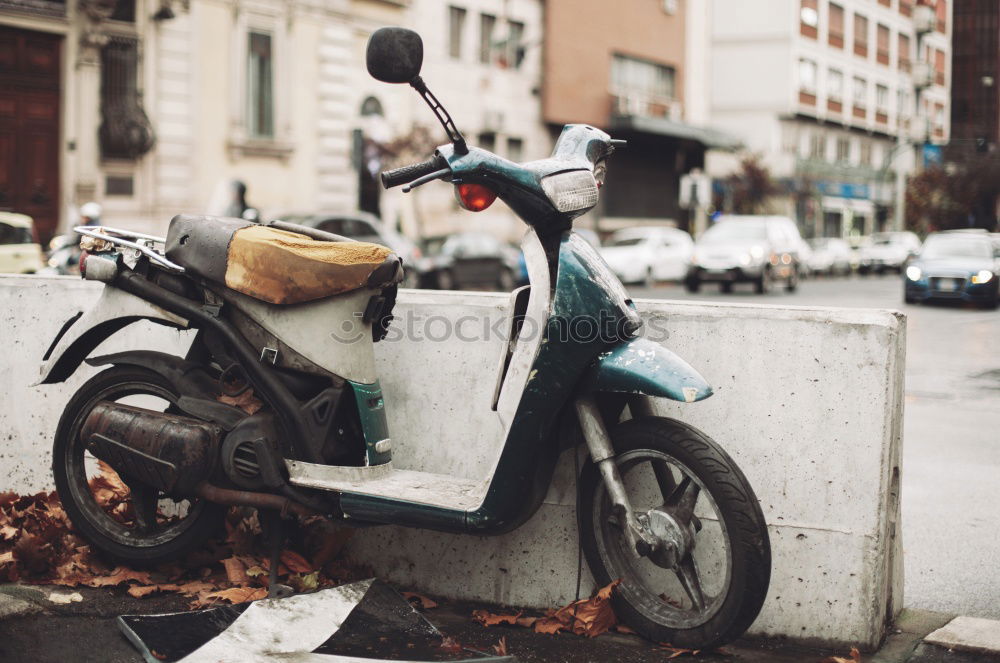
column 170, row 452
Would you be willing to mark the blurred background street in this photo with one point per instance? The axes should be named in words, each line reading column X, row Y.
column 951, row 454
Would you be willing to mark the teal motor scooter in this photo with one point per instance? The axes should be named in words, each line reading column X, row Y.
column 660, row 505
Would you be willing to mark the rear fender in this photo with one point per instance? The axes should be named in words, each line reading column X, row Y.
column 640, row 366
column 78, row 337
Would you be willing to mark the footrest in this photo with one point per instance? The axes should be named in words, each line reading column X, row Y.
column 427, row 488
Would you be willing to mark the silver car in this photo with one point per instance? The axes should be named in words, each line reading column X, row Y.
column 747, row 249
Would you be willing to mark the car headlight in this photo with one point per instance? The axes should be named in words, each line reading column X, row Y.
column 913, row 273
column 983, row 276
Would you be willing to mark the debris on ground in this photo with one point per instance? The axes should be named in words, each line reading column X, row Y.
column 589, row 617
column 854, row 657
column 39, row 546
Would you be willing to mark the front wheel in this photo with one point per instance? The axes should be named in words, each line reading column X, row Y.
column 705, row 583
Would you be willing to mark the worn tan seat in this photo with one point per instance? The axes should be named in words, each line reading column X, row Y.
column 277, row 266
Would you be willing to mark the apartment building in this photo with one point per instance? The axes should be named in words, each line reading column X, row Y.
column 623, row 67
column 838, row 96
column 152, row 107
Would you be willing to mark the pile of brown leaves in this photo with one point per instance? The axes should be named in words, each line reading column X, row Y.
column 590, row 617
column 38, row 546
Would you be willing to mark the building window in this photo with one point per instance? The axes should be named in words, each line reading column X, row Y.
column 809, row 19
column 641, row 88
column 487, row 23
column 941, row 9
column 843, row 150
column 817, row 146
column 836, row 35
column 807, row 75
column 125, row 131
column 515, row 149
column 260, row 86
column 881, row 98
column 866, row 153
column 906, row 7
column 939, row 67
column 903, row 103
column 860, row 35
column 456, row 25
column 835, row 84
column 513, row 52
column 860, row 97
column 904, row 52
column 882, row 44
column 487, row 140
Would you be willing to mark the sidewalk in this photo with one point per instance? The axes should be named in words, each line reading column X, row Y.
column 59, row 624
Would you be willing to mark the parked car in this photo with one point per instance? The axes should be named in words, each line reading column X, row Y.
column 19, row 254
column 957, row 266
column 648, row 254
column 471, row 260
column 830, row 255
column 366, row 227
column 888, row 250
column 747, row 249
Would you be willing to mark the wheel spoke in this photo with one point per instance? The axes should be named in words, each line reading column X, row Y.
column 683, row 499
column 687, row 573
column 664, row 478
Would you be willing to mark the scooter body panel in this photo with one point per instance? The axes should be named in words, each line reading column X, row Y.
column 114, row 311
column 641, row 366
column 585, row 290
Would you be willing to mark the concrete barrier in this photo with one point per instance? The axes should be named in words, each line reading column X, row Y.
column 808, row 402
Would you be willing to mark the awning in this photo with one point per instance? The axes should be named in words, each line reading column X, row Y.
column 711, row 138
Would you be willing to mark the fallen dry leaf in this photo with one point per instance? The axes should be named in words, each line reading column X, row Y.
column 233, row 595
column 451, row 645
column 679, row 651
column 295, row 562
column 245, row 401
column 500, row 648
column 855, row 657
column 235, row 571
column 419, row 601
column 487, row 618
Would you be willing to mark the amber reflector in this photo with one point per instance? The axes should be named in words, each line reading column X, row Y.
column 474, row 197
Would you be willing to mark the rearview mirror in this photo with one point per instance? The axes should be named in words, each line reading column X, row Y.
column 395, row 55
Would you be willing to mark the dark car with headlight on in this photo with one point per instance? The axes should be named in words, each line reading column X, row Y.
column 955, row 265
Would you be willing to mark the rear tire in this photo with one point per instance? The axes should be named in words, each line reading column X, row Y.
column 692, row 284
column 129, row 545
column 762, row 285
column 726, row 287
column 739, row 524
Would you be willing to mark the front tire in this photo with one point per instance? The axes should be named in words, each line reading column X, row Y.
column 168, row 537
column 730, row 556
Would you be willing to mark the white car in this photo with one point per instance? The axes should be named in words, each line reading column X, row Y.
column 890, row 250
column 830, row 255
column 19, row 254
column 647, row 255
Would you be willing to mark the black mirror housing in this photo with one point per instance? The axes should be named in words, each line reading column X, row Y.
column 395, row 55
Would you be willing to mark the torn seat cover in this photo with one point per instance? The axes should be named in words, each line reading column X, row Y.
column 276, row 266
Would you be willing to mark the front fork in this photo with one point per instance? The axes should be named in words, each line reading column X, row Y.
column 602, row 453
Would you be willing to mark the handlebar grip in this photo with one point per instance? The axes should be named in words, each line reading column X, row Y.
column 407, row 174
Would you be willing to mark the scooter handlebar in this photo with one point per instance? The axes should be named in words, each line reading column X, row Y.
column 407, row 174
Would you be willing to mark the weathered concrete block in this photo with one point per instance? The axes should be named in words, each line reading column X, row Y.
column 808, row 402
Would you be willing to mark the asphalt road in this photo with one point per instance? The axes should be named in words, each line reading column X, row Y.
column 951, row 438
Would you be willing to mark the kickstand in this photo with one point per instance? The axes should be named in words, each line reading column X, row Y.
column 274, row 535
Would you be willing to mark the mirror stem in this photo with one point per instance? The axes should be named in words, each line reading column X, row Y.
column 442, row 115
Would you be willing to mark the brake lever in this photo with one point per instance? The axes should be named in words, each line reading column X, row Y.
column 420, row 181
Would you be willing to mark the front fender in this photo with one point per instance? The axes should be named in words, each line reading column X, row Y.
column 81, row 334
column 641, row 366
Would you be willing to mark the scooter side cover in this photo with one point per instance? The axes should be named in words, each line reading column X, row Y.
column 641, row 366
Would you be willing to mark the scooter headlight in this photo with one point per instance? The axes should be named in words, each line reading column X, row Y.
column 913, row 273
column 571, row 192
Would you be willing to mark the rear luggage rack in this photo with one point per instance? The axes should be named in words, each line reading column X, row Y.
column 141, row 242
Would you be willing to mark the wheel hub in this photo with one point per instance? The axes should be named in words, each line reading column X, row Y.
column 674, row 540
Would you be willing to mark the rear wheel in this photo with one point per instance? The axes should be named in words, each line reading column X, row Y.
column 681, row 483
column 127, row 520
column 726, row 286
column 762, row 285
column 692, row 284
column 793, row 281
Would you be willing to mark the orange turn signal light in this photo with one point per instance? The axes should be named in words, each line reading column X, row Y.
column 474, row 197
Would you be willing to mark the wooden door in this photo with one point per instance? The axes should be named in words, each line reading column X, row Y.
column 29, row 126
